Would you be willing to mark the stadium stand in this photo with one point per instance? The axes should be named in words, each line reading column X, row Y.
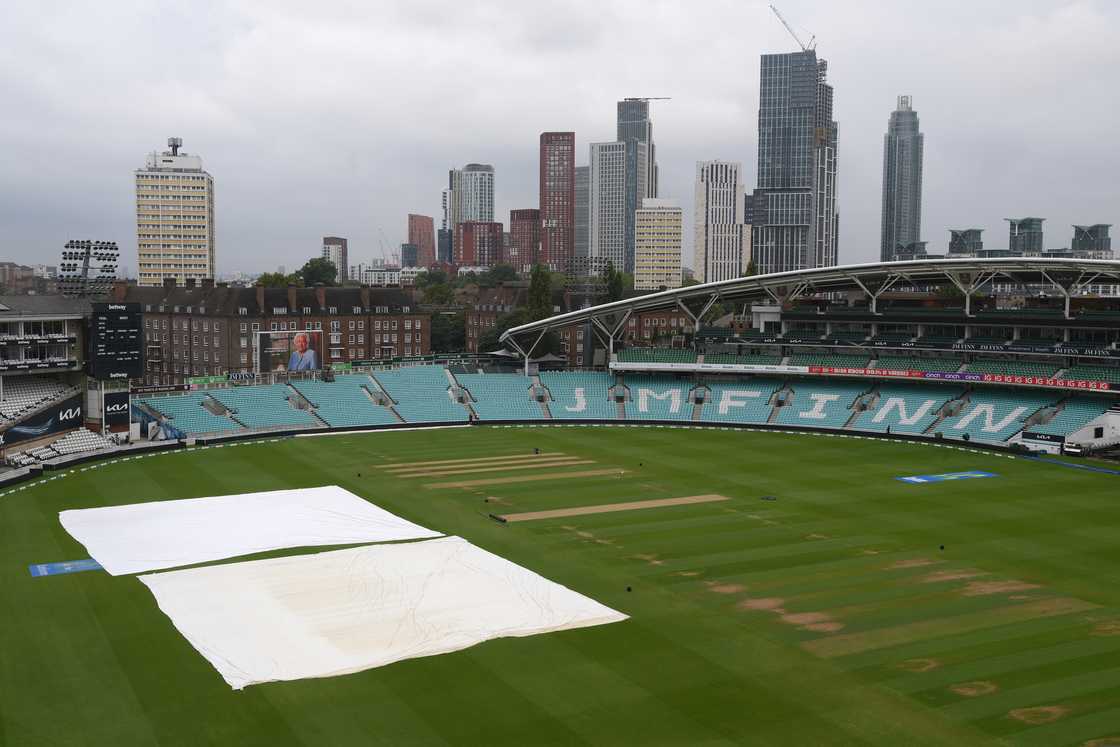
column 580, row 395
column 263, row 406
column 657, row 355
column 1075, row 414
column 421, row 394
column 820, row 403
column 746, row 359
column 23, row 395
column 1110, row 374
column 901, row 363
column 657, row 398
column 905, row 408
column 739, row 402
column 840, row 360
column 1013, row 367
column 501, row 396
column 995, row 415
column 75, row 442
column 346, row 401
column 187, row 413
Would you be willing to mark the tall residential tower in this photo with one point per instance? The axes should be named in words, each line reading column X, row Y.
column 557, row 199
column 794, row 206
column 902, row 183
column 721, row 236
column 174, row 218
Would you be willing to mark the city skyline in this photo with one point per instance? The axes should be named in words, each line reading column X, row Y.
column 284, row 181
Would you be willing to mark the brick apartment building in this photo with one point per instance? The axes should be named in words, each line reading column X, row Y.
column 203, row 329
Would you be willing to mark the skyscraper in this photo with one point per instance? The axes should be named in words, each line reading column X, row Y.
column 421, row 232
column 174, row 218
column 557, row 199
column 721, row 236
column 581, row 244
column 1092, row 241
column 794, row 206
column 525, row 239
column 469, row 197
column 902, row 183
column 657, row 245
column 634, row 124
column 607, row 206
column 966, row 242
column 336, row 251
column 478, row 243
column 1024, row 236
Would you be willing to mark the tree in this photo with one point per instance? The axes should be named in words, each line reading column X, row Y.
column 278, row 280
column 439, row 294
column 496, row 275
column 540, row 293
column 319, row 270
column 449, row 333
column 614, row 282
column 752, row 269
column 432, row 277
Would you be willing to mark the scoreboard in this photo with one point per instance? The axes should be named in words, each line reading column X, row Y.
column 116, row 342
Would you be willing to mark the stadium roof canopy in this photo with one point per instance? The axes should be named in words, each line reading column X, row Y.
column 1066, row 277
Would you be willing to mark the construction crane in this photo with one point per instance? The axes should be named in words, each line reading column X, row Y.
column 648, row 98
column 804, row 47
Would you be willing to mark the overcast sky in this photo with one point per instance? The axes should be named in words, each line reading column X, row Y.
column 339, row 118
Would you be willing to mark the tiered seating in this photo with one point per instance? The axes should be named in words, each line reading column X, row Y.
column 263, row 406
column 1013, row 367
column 892, row 338
column 804, row 409
column 1110, row 374
column 936, row 340
column 421, row 394
column 580, row 395
column 1076, row 414
column 994, row 415
column 848, row 336
column 715, row 333
column 501, row 396
column 657, row 398
column 657, row 355
column 905, row 408
column 188, row 414
column 900, row 363
column 987, row 340
column 80, row 440
column 838, row 360
column 24, row 394
column 746, row 359
column 740, row 402
column 345, row 402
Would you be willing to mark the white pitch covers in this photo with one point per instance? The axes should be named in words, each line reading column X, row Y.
column 348, row 610
column 169, row 534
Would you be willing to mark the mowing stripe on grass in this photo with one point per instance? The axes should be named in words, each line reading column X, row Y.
column 525, row 478
column 606, row 508
column 854, row 643
column 391, row 466
column 470, row 469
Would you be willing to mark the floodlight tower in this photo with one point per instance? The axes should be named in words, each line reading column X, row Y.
column 88, row 268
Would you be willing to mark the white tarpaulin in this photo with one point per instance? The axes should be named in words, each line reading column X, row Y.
column 349, row 610
column 168, row 534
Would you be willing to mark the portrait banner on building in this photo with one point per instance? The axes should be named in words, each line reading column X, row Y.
column 289, row 351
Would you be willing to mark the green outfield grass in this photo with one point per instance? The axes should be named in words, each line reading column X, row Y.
column 827, row 616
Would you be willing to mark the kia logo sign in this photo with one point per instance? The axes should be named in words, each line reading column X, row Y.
column 123, row 407
column 73, row 412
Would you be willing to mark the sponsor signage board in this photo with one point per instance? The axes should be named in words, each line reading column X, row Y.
column 289, row 350
column 1047, row 437
column 116, row 406
column 159, row 388
column 56, row 418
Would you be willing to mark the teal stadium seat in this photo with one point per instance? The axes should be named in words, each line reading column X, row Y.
column 1111, row 374
column 499, row 396
column 739, row 402
column 657, row 355
column 657, row 398
column 1077, row 413
column 1013, row 367
column 836, row 360
column 746, row 359
column 580, row 395
column 263, row 406
column 346, row 401
column 902, row 363
column 822, row 404
column 905, row 408
column 187, row 413
column 995, row 415
column 421, row 394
